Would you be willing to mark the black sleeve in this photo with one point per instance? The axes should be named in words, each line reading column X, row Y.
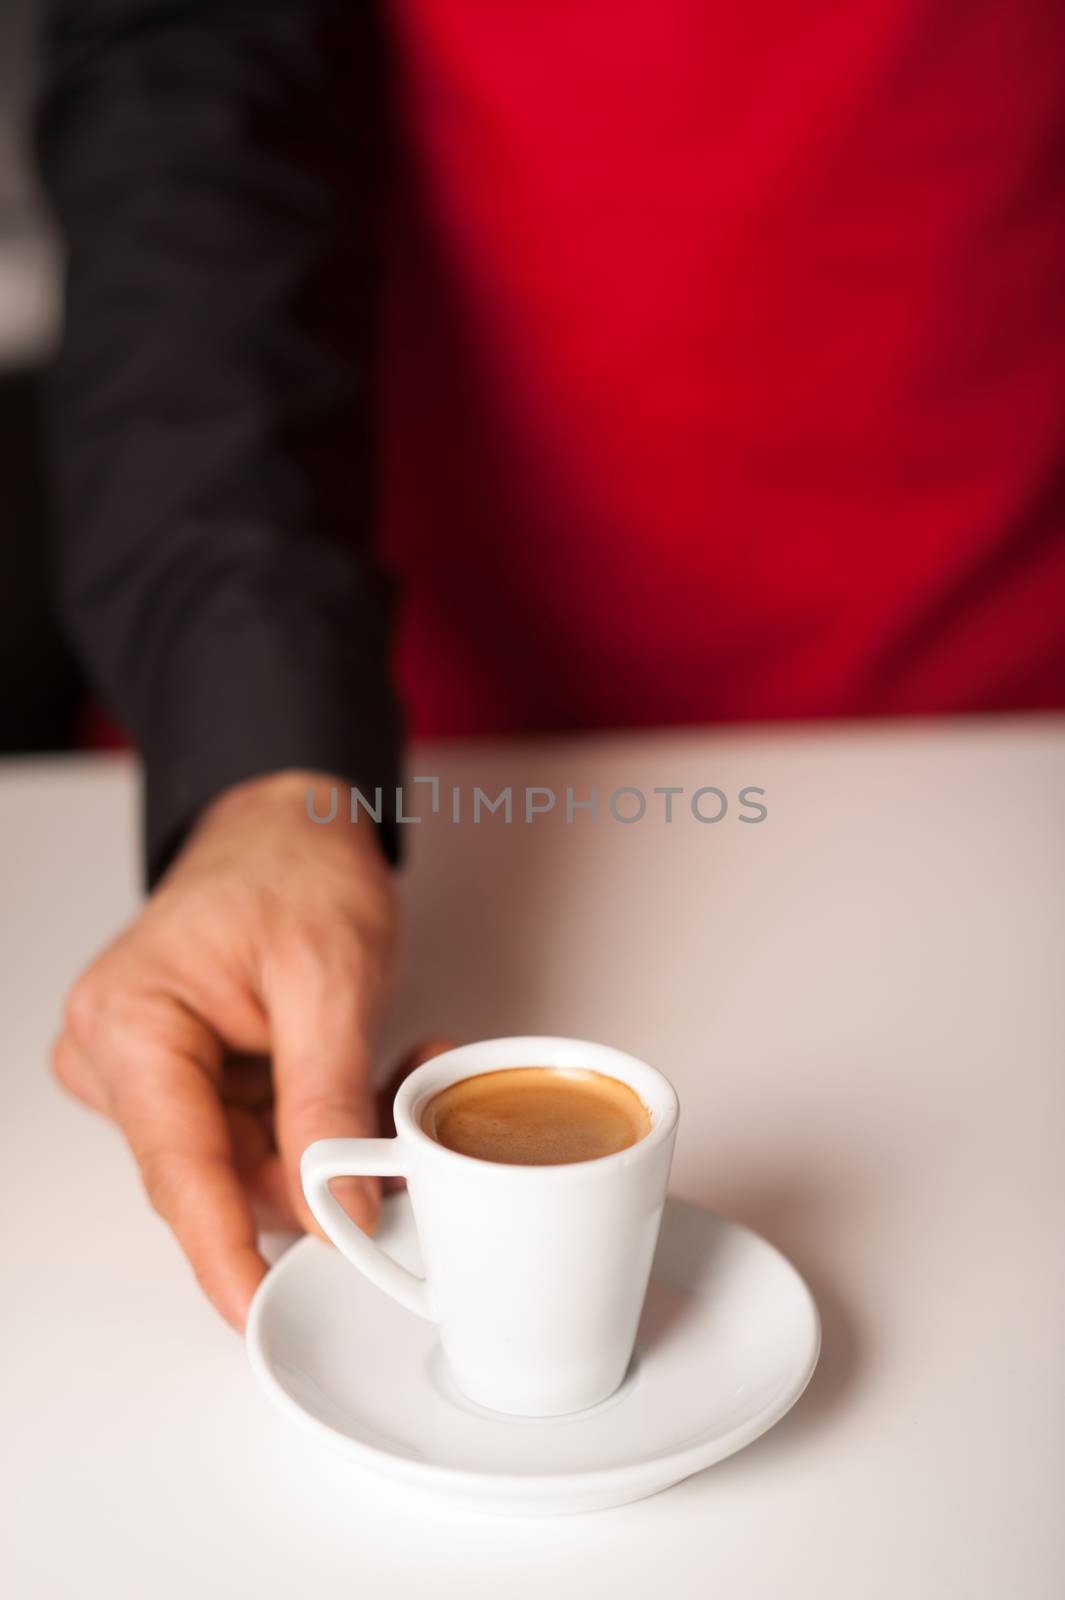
column 212, row 164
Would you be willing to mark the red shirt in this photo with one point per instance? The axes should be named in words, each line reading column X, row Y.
column 727, row 362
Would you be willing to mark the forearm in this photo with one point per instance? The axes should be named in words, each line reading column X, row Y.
column 209, row 163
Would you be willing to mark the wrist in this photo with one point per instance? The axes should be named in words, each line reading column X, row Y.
column 296, row 797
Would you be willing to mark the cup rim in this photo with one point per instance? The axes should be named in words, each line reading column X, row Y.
column 536, row 1050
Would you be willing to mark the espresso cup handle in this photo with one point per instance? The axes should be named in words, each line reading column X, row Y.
column 360, row 1158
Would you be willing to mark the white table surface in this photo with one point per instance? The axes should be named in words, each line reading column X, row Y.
column 860, row 1001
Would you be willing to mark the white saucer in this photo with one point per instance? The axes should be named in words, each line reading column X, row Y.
column 728, row 1341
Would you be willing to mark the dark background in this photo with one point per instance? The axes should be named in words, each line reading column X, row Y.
column 41, row 694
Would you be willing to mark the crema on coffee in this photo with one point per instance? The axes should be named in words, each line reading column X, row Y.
column 537, row 1116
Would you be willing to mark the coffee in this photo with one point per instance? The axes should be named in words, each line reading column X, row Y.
column 537, row 1116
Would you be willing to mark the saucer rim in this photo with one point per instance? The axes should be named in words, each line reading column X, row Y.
column 460, row 1481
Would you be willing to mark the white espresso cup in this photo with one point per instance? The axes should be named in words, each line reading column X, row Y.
column 536, row 1275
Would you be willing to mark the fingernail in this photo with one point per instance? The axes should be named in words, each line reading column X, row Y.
column 361, row 1199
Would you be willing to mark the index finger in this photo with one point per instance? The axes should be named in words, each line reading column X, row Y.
column 171, row 1114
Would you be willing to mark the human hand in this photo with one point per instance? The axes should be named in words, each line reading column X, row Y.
column 231, row 1024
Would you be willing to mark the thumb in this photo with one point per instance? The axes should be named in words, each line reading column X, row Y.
column 386, row 1094
column 415, row 1058
column 322, row 1084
